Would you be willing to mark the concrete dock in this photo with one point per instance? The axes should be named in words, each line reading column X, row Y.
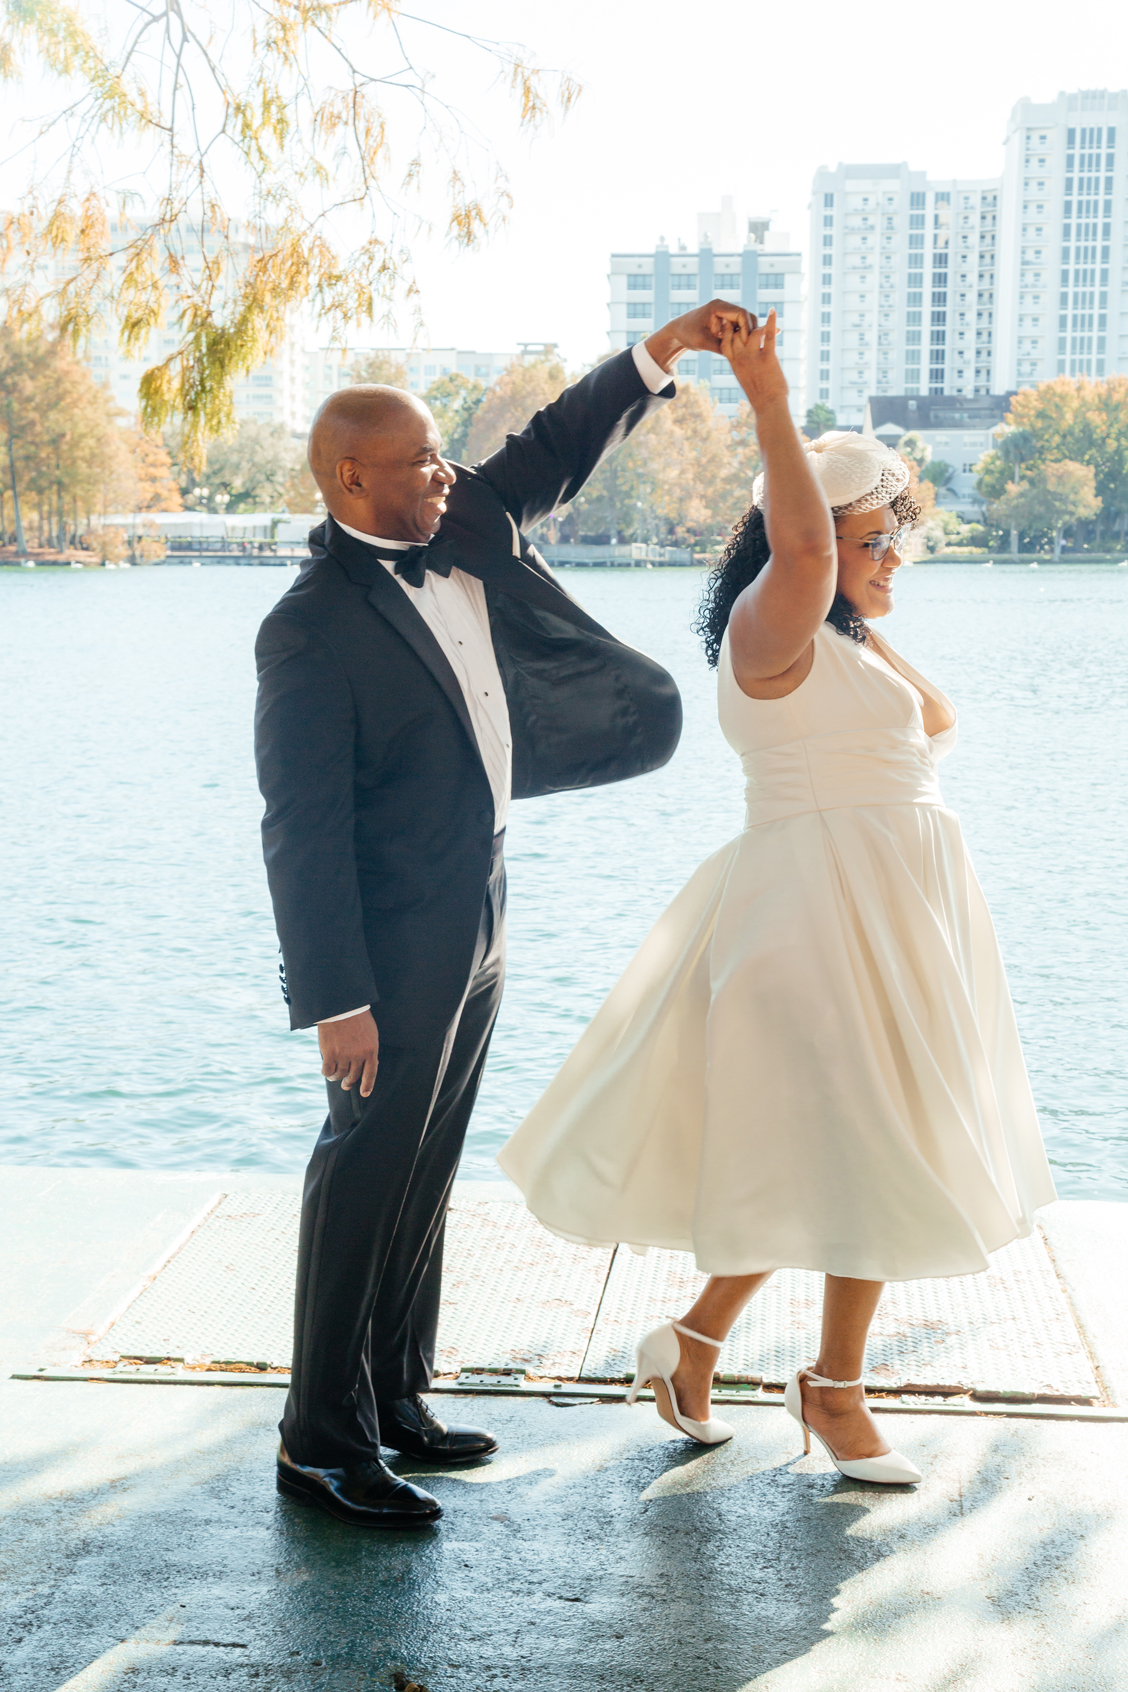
column 144, row 1544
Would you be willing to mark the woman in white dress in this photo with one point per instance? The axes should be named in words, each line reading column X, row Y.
column 812, row 1061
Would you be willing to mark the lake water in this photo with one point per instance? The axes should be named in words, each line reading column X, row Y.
column 141, row 1016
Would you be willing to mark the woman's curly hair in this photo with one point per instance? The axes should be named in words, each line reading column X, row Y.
column 741, row 562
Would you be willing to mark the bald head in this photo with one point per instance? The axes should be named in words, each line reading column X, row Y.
column 375, row 453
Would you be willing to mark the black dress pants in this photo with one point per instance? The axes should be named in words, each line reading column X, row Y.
column 370, row 1248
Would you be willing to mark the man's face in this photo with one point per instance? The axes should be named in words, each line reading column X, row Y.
column 396, row 483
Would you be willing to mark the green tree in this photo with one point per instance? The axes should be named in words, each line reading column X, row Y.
column 819, row 419
column 1049, row 500
column 938, row 472
column 322, row 115
column 915, row 449
column 454, row 401
column 253, row 469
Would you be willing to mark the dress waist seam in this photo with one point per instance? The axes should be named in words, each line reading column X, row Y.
column 856, row 805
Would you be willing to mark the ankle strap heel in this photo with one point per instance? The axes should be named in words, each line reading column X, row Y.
column 691, row 1333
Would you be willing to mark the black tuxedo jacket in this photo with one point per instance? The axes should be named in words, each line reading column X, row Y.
column 379, row 816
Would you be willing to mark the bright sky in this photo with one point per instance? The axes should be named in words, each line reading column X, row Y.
column 682, row 104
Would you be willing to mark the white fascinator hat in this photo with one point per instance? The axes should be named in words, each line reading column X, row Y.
column 857, row 472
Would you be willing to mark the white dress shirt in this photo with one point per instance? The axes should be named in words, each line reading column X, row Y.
column 454, row 609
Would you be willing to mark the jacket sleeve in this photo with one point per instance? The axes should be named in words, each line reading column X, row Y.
column 550, row 460
column 305, row 729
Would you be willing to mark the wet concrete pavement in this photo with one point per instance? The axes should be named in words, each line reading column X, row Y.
column 143, row 1544
column 595, row 1551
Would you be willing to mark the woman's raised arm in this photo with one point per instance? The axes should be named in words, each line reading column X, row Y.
column 776, row 617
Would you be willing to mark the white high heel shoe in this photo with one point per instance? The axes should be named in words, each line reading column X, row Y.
column 656, row 1358
column 891, row 1468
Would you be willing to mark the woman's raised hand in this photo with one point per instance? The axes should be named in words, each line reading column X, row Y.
column 752, row 354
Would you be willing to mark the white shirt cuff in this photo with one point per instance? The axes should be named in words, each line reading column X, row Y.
column 344, row 1016
column 649, row 369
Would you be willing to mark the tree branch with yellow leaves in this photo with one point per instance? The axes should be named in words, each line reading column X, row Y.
column 274, row 148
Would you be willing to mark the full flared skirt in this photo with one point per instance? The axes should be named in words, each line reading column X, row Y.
column 811, row 1062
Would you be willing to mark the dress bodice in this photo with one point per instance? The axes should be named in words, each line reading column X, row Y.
column 851, row 733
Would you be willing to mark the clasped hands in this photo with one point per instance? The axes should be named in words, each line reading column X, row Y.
column 734, row 333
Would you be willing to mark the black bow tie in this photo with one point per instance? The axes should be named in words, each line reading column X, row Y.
column 413, row 563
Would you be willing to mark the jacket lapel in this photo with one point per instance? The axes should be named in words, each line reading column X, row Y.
column 387, row 598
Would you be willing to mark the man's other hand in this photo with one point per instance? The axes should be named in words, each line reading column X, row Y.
column 350, row 1051
column 700, row 330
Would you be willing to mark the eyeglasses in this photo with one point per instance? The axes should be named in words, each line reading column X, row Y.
column 881, row 544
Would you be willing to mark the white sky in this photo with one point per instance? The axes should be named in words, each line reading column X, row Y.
column 684, row 103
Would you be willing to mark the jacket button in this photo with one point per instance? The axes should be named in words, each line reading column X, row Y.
column 486, row 817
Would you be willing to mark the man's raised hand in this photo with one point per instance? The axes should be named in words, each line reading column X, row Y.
column 350, row 1051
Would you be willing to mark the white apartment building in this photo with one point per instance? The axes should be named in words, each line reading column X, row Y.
column 903, row 286
column 1063, row 264
column 758, row 270
column 328, row 368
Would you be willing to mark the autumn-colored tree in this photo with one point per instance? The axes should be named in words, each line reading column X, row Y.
column 67, row 456
column 684, row 476
column 1050, row 499
column 323, row 114
column 454, row 401
column 156, row 481
column 1078, row 420
column 522, row 390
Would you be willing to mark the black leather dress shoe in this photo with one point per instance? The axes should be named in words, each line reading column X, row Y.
column 407, row 1425
column 367, row 1494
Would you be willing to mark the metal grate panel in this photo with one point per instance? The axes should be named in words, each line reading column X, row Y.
column 227, row 1295
column 1007, row 1330
column 514, row 1296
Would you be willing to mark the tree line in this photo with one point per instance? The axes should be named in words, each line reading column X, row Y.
column 1061, row 462
column 69, row 454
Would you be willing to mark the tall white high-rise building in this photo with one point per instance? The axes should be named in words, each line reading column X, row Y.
column 970, row 288
column 758, row 269
column 1063, row 263
column 903, row 285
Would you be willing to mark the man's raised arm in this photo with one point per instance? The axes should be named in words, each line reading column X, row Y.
column 548, row 463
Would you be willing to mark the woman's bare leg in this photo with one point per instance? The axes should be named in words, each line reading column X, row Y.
column 719, row 1303
column 839, row 1414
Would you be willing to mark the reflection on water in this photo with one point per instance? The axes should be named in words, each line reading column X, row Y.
column 143, row 1021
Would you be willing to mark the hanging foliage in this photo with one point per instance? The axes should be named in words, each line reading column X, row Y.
column 316, row 118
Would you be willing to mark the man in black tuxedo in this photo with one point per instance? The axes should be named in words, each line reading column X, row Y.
column 425, row 668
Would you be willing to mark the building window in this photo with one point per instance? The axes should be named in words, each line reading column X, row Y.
column 828, row 199
column 640, row 281
column 639, row 308
column 683, row 282
column 727, row 396
column 770, row 279
column 828, row 222
column 828, row 241
column 634, row 336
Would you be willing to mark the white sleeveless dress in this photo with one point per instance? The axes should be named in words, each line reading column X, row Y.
column 812, row 1060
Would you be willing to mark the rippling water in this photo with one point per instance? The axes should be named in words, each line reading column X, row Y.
column 140, row 1009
